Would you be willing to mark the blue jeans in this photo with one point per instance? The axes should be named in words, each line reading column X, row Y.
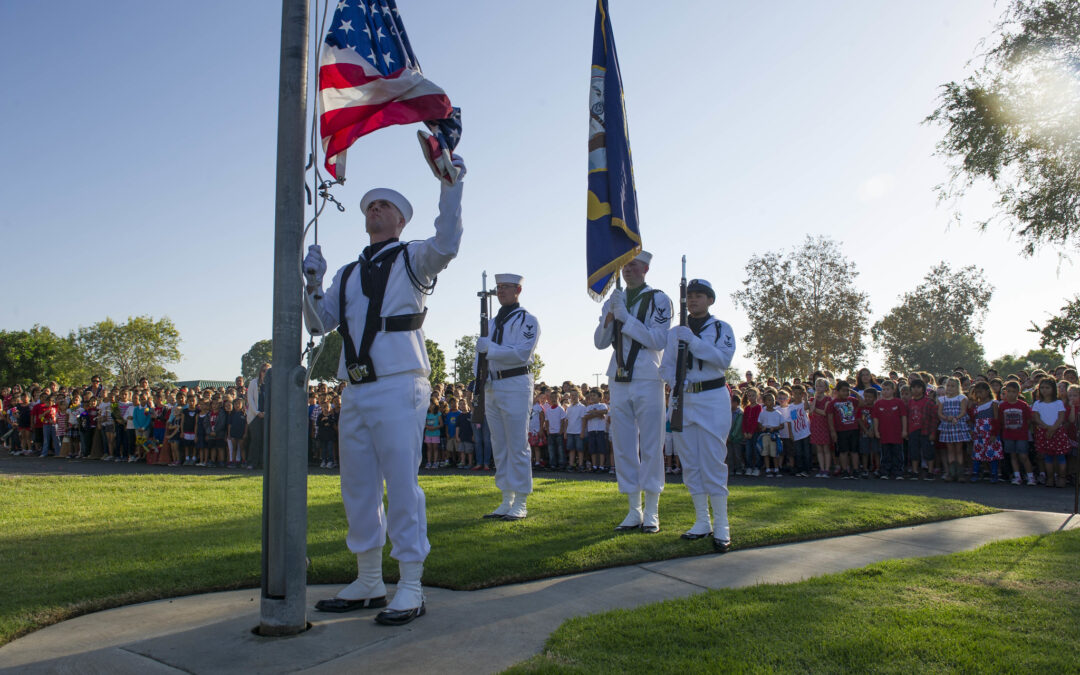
column 750, row 454
column 892, row 459
column 327, row 446
column 49, row 439
column 597, row 442
column 555, row 450
column 804, row 461
column 482, row 442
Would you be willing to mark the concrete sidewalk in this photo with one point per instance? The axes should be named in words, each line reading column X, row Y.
column 464, row 631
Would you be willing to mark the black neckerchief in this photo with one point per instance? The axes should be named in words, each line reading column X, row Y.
column 500, row 318
column 696, row 324
column 370, row 251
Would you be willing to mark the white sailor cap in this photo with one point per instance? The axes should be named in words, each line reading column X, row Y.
column 392, row 196
column 508, row 279
column 644, row 257
column 701, row 286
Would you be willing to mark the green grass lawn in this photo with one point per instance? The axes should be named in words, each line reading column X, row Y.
column 73, row 544
column 1008, row 607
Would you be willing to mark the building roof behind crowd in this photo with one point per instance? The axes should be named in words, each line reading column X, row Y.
column 205, row 384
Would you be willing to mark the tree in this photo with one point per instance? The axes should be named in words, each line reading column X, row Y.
column 325, row 369
column 1040, row 359
column 39, row 355
column 141, row 347
column 804, row 308
column 1062, row 332
column 464, row 350
column 936, row 326
column 1015, row 122
column 438, row 361
column 261, row 352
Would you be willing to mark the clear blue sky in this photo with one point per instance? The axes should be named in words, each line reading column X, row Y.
column 137, row 169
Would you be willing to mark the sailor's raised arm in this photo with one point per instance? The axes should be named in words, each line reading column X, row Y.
column 320, row 313
column 432, row 255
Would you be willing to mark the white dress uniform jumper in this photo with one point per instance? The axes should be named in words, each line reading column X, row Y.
column 508, row 399
column 637, row 402
column 702, row 444
column 378, row 305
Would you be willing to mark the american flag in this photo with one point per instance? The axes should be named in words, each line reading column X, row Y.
column 369, row 78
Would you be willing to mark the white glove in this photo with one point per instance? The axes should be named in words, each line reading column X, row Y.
column 482, row 344
column 314, row 267
column 458, row 163
column 684, row 334
column 620, row 311
column 618, row 297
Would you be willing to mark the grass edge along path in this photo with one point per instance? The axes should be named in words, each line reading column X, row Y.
column 71, row 545
column 1007, row 606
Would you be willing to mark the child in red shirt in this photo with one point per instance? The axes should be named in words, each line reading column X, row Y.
column 844, row 428
column 890, row 426
column 750, row 432
column 920, row 431
column 1015, row 431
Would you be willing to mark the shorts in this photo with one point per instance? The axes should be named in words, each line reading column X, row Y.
column 452, row 445
column 869, row 445
column 431, row 440
column 574, row 443
column 159, row 435
column 1016, row 447
column 465, row 447
column 919, row 448
column 847, row 441
column 598, row 444
column 768, row 446
column 669, row 445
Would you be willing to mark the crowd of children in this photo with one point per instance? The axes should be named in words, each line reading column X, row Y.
column 951, row 427
column 174, row 427
column 955, row 427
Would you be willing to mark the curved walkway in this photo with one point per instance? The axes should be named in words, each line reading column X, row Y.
column 465, row 631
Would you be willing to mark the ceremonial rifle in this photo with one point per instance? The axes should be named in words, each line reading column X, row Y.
column 481, row 357
column 617, row 337
column 680, row 360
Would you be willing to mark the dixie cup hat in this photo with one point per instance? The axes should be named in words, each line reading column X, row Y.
column 392, row 196
column 508, row 279
column 701, row 286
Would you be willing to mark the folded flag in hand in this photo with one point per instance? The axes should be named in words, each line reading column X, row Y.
column 369, row 78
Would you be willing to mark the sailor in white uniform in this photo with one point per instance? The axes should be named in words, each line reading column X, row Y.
column 637, row 393
column 508, row 392
column 377, row 304
column 702, row 443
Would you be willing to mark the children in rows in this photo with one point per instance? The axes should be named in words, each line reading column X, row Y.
column 890, row 426
column 1048, row 414
column 920, row 439
column 953, row 427
column 844, row 429
column 986, row 433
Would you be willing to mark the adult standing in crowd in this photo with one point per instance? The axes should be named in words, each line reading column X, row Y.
column 256, row 418
column 508, row 392
column 701, row 445
column 643, row 314
column 377, row 303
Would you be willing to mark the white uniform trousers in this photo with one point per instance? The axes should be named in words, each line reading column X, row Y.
column 702, row 444
column 507, row 405
column 380, row 432
column 637, row 434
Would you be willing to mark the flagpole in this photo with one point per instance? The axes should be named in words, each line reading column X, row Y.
column 283, row 609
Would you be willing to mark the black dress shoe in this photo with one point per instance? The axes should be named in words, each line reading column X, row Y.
column 721, row 545
column 627, row 528
column 650, row 529
column 691, row 536
column 399, row 617
column 510, row 517
column 493, row 515
column 340, row 605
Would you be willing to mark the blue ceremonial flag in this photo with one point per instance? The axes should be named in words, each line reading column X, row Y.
column 612, row 237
